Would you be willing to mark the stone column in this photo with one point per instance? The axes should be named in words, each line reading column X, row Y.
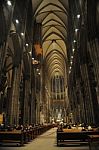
column 26, row 102
column 14, row 116
column 38, row 108
column 33, row 110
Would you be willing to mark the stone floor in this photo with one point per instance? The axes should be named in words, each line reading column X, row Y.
column 46, row 141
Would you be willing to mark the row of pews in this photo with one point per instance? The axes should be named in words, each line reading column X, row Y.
column 21, row 137
column 77, row 136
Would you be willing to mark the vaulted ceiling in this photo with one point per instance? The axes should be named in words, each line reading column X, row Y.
column 53, row 15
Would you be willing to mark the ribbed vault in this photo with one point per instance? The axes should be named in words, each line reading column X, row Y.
column 53, row 17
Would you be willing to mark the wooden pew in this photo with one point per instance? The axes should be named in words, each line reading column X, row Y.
column 93, row 142
column 73, row 136
column 22, row 136
column 15, row 136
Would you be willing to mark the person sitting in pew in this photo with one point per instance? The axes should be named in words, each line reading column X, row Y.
column 2, row 127
column 19, row 127
column 60, row 128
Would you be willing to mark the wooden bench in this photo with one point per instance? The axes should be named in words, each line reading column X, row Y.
column 16, row 136
column 73, row 137
column 93, row 142
column 21, row 137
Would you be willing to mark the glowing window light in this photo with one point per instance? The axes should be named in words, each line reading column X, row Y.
column 22, row 34
column 74, row 41
column 78, row 16
column 76, row 30
column 30, row 53
column 17, row 21
column 27, row 44
column 9, row 3
column 37, row 69
column 72, row 57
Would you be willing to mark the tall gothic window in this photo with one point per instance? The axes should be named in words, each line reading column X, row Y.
column 57, row 87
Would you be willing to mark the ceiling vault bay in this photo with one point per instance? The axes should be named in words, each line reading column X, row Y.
column 53, row 17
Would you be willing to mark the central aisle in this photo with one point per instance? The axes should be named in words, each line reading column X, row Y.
column 46, row 141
